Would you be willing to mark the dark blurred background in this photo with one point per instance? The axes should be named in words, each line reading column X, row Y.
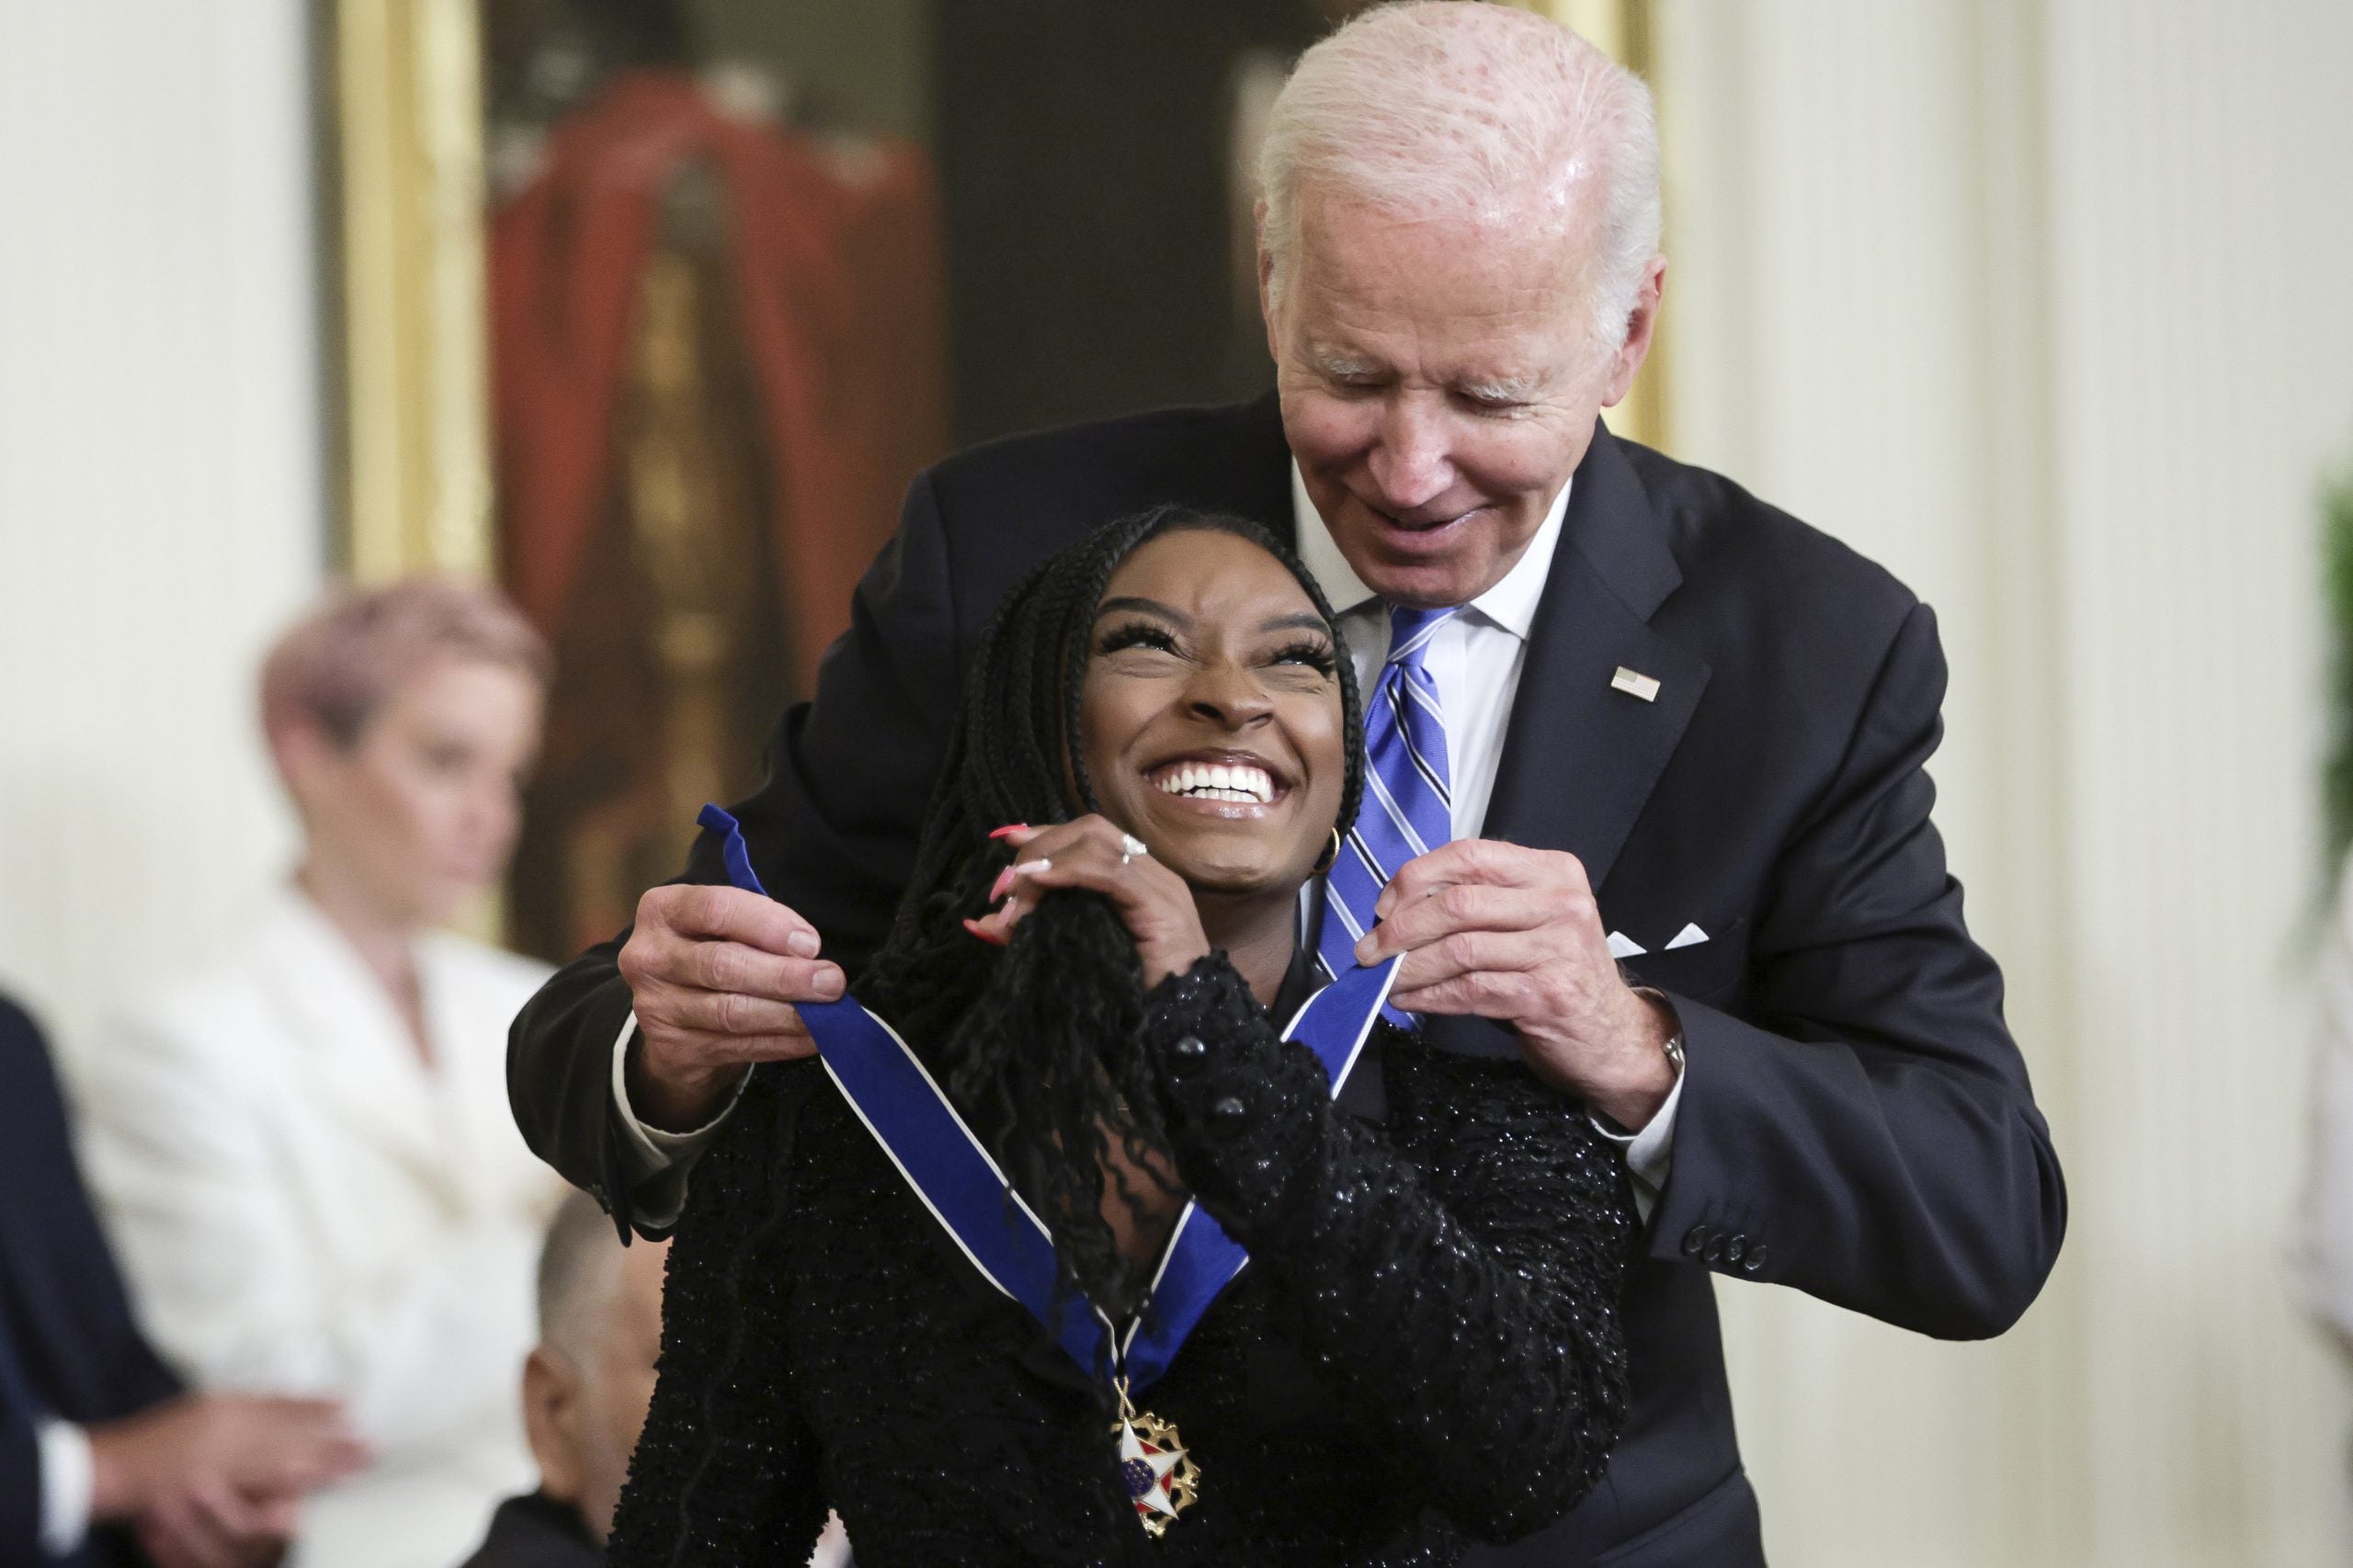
column 751, row 266
column 1088, row 206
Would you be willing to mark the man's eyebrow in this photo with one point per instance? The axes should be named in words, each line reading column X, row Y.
column 1131, row 604
column 1503, row 389
column 1339, row 362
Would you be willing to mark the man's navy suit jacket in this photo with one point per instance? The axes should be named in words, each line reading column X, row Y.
column 1856, row 1121
column 537, row 1531
column 68, row 1345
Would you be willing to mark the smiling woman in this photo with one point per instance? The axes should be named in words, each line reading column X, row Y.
column 1165, row 640
column 1157, row 740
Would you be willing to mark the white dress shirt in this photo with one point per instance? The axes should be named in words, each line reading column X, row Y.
column 63, row 1451
column 1474, row 658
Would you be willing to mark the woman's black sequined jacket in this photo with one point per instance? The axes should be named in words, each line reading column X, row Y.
column 1425, row 1343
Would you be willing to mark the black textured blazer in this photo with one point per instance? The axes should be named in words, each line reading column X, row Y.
column 1856, row 1121
column 1424, row 1342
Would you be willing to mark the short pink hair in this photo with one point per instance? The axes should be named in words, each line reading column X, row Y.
column 335, row 667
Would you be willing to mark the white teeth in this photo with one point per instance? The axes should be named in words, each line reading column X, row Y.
column 1218, row 782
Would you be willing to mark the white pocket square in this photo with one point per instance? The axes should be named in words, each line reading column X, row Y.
column 1621, row 945
column 1689, row 937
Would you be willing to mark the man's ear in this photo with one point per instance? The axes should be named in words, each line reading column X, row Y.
column 1640, row 327
column 1266, row 281
column 551, row 1416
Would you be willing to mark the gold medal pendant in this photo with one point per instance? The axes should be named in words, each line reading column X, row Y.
column 1161, row 1476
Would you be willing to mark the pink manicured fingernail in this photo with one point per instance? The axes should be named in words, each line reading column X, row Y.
column 1031, row 867
column 1004, row 880
column 1009, row 829
column 983, row 933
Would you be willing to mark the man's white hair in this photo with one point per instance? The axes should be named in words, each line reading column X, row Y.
column 1437, row 109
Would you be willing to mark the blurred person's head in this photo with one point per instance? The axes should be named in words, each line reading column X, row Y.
column 1459, row 268
column 587, row 1383
column 402, row 720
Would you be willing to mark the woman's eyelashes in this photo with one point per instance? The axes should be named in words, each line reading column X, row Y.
column 1136, row 634
column 1303, row 653
column 1311, row 652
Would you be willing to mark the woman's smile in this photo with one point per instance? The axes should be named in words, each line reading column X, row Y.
column 1236, row 784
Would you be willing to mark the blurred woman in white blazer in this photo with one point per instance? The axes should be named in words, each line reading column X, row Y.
column 306, row 1152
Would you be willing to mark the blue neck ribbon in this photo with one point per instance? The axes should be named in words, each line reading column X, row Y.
column 956, row 1179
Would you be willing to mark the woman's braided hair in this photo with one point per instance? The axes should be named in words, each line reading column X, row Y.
column 1039, row 1043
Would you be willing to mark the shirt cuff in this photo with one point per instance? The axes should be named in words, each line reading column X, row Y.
column 1650, row 1154
column 65, row 1480
column 657, row 1162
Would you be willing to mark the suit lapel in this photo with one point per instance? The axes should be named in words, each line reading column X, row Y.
column 1580, row 757
column 352, row 1051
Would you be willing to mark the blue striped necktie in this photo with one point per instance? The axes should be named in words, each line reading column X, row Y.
column 1408, row 793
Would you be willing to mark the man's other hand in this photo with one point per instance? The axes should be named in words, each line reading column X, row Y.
column 1501, row 931
column 211, row 1525
column 215, row 1480
column 713, row 974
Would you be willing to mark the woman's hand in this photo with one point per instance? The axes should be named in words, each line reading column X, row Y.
column 1152, row 900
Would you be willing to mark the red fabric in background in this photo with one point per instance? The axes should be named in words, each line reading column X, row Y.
column 835, row 256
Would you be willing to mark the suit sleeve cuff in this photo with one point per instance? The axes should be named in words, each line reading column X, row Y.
column 1650, row 1154
column 66, row 1477
column 657, row 1161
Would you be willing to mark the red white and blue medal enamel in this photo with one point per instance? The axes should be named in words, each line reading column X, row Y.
column 1161, row 1476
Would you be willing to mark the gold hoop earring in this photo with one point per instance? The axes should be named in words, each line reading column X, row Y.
column 1331, row 859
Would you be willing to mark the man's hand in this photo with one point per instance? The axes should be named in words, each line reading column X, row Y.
column 210, row 1525
column 1503, row 932
column 214, row 1481
column 713, row 973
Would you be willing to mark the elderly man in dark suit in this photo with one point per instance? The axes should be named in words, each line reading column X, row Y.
column 103, row 1460
column 1692, row 879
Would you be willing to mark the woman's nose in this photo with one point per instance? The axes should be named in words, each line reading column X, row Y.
column 1228, row 694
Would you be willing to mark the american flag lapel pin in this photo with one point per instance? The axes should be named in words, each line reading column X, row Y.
column 1633, row 683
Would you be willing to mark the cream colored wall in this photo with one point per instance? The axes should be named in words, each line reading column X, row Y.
column 2046, row 306
column 159, row 475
